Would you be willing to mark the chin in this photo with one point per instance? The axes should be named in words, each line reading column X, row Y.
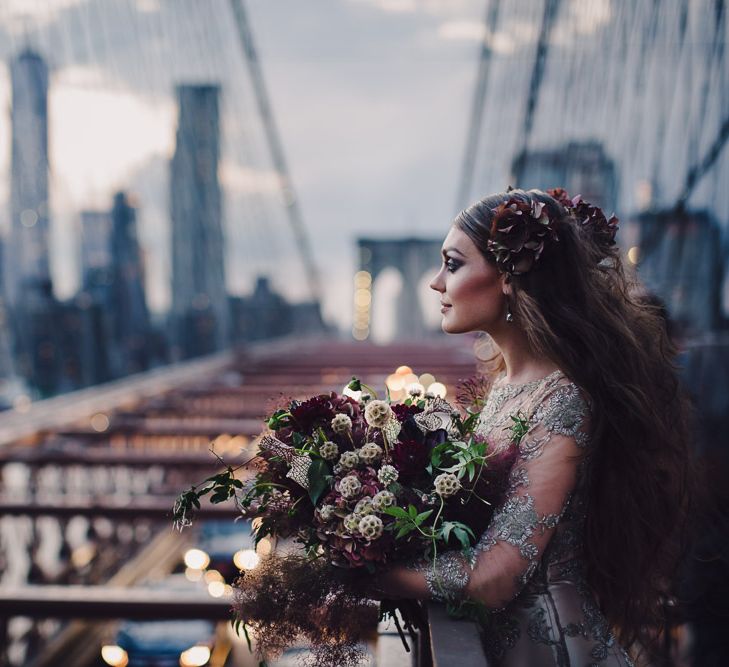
column 452, row 327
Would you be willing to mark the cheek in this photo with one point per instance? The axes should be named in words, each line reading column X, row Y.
column 476, row 298
column 473, row 287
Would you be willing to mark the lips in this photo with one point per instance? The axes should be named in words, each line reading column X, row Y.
column 444, row 307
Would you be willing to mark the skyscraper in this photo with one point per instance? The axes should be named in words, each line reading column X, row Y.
column 32, row 307
column 27, row 264
column 129, row 304
column 95, row 249
column 200, row 311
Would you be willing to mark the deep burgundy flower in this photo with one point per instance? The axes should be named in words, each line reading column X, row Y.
column 402, row 411
column 316, row 410
column 593, row 220
column 560, row 194
column 519, row 230
column 410, row 456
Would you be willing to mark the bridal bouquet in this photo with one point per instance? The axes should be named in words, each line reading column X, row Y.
column 360, row 484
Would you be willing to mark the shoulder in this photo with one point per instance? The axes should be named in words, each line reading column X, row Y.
column 560, row 407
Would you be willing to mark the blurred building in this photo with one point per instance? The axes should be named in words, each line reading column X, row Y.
column 200, row 313
column 32, row 308
column 111, row 313
column 579, row 167
column 95, row 250
column 265, row 314
column 27, row 260
column 131, row 325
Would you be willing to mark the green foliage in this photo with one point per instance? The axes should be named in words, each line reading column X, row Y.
column 520, row 427
column 221, row 487
column 406, row 521
column 466, row 458
column 318, row 479
column 279, row 419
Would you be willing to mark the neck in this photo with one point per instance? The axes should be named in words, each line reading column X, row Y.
column 522, row 363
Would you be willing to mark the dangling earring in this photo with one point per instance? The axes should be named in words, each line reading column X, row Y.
column 509, row 316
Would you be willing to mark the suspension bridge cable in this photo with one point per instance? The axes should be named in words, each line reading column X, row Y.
column 474, row 129
column 551, row 8
column 276, row 147
column 698, row 171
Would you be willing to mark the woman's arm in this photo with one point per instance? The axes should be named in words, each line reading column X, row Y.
column 508, row 553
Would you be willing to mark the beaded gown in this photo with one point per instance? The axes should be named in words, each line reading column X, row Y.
column 528, row 565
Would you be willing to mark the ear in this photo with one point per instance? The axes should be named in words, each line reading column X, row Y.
column 506, row 284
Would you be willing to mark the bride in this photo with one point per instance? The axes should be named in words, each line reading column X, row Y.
column 576, row 565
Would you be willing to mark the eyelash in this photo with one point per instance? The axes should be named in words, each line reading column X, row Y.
column 451, row 264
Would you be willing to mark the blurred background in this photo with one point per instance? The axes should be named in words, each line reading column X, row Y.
column 178, row 177
column 182, row 180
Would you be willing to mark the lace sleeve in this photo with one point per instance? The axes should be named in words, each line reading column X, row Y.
column 541, row 483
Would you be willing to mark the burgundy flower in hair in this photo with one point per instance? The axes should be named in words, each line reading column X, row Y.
column 519, row 231
column 593, row 220
column 560, row 194
column 589, row 217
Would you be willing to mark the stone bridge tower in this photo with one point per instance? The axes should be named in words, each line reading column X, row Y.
column 414, row 258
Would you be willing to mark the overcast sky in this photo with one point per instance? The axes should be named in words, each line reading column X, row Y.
column 372, row 99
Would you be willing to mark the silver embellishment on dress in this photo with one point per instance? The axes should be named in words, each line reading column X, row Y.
column 553, row 406
column 447, row 577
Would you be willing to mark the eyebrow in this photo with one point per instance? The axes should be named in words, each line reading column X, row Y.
column 447, row 250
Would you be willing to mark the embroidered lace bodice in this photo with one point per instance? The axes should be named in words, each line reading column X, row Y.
column 528, row 565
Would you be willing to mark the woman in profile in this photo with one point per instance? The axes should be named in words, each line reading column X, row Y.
column 576, row 565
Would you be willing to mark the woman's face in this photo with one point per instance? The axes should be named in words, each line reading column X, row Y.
column 472, row 291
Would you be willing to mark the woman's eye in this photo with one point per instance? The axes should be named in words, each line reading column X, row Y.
column 451, row 264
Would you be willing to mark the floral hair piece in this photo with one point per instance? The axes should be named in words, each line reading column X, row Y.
column 589, row 217
column 519, row 231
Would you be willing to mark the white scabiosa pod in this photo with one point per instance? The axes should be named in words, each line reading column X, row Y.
column 364, row 506
column 341, row 424
column 349, row 460
column 349, row 486
column 447, row 484
column 351, row 523
column 383, row 500
column 378, row 413
column 370, row 452
column 371, row 526
column 329, row 450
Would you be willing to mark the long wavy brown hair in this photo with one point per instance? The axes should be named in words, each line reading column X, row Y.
column 580, row 309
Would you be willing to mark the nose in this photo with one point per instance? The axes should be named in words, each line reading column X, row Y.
column 437, row 283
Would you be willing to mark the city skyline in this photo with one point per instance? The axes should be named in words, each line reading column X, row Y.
column 372, row 99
